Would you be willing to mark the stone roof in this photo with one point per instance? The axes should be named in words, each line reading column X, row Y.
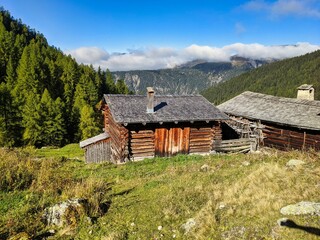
column 94, row 139
column 304, row 114
column 127, row 109
column 305, row 87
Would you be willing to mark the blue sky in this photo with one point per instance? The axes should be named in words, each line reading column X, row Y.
column 163, row 33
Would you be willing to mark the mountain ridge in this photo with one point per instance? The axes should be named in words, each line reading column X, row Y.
column 188, row 78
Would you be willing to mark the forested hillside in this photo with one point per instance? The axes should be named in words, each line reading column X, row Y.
column 279, row 78
column 46, row 98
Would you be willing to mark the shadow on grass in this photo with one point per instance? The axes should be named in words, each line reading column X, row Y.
column 291, row 224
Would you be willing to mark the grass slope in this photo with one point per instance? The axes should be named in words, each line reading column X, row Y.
column 229, row 201
column 279, row 78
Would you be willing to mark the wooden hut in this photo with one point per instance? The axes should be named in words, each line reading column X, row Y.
column 147, row 126
column 285, row 123
column 97, row 148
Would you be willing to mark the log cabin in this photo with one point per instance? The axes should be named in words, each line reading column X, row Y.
column 283, row 123
column 141, row 127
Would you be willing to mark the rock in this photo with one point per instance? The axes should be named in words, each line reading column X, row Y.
column 205, row 168
column 245, row 163
column 302, row 208
column 221, row 205
column 65, row 213
column 21, row 236
column 188, row 225
column 281, row 222
column 235, row 233
column 295, row 163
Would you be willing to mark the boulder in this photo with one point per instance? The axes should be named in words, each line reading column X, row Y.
column 66, row 213
column 302, row 208
column 295, row 163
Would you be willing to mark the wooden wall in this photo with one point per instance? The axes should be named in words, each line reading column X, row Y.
column 171, row 141
column 141, row 144
column 200, row 140
column 119, row 136
column 98, row 152
column 285, row 138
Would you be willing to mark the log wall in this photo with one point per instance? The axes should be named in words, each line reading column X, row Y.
column 200, row 140
column 285, row 138
column 141, row 144
column 98, row 152
column 119, row 136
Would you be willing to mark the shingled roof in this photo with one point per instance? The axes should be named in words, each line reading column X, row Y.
column 304, row 114
column 167, row 108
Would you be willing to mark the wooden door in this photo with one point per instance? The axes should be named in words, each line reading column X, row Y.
column 171, row 141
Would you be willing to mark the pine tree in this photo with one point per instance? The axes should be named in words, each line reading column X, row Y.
column 88, row 123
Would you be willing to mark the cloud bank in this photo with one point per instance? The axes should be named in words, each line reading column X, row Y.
column 301, row 8
column 158, row 58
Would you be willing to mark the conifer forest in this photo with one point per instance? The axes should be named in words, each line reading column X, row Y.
column 46, row 97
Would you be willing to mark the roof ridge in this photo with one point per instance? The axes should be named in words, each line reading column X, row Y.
column 284, row 99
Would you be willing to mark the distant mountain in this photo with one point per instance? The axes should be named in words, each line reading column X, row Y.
column 279, row 78
column 191, row 77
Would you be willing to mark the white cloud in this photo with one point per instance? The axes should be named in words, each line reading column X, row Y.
column 157, row 58
column 89, row 55
column 302, row 8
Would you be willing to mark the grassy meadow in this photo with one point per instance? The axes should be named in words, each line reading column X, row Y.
column 237, row 196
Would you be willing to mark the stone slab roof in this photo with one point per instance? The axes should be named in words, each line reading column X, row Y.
column 128, row 109
column 304, row 114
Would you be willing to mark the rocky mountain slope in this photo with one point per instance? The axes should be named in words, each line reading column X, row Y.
column 188, row 78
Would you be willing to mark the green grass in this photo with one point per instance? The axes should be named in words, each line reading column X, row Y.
column 165, row 192
column 68, row 151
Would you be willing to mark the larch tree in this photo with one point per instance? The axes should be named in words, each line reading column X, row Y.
column 88, row 122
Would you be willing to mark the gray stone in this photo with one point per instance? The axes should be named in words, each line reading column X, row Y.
column 222, row 205
column 302, row 208
column 65, row 213
column 245, row 163
column 188, row 225
column 281, row 222
column 295, row 163
column 205, row 168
